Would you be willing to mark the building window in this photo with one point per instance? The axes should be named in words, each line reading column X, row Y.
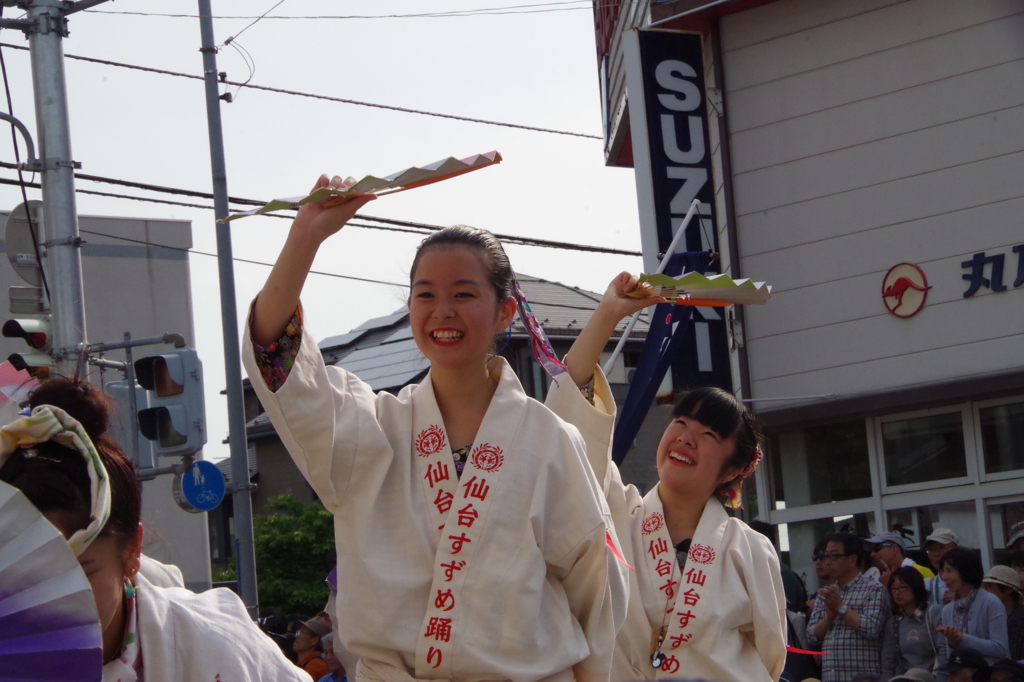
column 923, row 449
column 960, row 517
column 1002, row 437
column 820, row 464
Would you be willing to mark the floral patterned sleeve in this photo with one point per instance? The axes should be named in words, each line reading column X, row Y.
column 276, row 360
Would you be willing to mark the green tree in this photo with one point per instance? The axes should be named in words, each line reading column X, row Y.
column 294, row 554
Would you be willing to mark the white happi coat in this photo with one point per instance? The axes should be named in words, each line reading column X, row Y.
column 502, row 574
column 189, row 637
column 724, row 614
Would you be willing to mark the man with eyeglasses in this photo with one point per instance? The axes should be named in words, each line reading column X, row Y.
column 889, row 552
column 848, row 617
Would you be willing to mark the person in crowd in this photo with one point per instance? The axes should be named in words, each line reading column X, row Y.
column 1016, row 541
column 910, row 639
column 848, row 618
column 309, row 647
column 1006, row 670
column 1004, row 583
column 66, row 464
column 275, row 625
column 866, row 677
column 706, row 598
column 965, row 665
column 1017, row 564
column 935, row 546
column 796, row 591
column 975, row 618
column 914, row 675
column 821, row 568
column 451, row 491
column 889, row 552
column 337, row 670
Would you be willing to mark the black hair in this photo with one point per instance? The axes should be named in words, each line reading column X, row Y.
column 966, row 563
column 852, row 544
column 913, row 580
column 723, row 413
column 495, row 261
column 1017, row 559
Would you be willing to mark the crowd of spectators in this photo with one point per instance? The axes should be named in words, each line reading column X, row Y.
column 878, row 615
column 308, row 643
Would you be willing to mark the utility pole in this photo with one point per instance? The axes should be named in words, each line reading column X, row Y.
column 241, row 489
column 46, row 25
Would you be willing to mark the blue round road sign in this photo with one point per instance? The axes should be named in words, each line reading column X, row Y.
column 203, row 485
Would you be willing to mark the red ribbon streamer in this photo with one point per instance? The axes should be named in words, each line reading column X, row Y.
column 615, row 550
column 805, row 651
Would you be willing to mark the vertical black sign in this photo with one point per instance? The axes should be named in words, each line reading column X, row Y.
column 679, row 153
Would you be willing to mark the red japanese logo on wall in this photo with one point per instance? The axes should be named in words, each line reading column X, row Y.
column 904, row 290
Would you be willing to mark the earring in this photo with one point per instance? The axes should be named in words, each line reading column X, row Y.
column 129, row 589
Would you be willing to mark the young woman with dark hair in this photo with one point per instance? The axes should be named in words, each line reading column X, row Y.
column 975, row 618
column 90, row 493
column 473, row 542
column 910, row 639
column 708, row 586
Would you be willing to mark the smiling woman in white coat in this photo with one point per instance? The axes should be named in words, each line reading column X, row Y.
column 473, row 538
column 706, row 599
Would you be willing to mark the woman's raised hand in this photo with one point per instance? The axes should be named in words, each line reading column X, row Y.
column 623, row 297
column 315, row 222
column 321, row 219
column 615, row 305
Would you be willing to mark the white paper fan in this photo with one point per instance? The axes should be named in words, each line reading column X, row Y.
column 49, row 627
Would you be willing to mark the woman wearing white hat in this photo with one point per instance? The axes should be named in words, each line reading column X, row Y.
column 1003, row 582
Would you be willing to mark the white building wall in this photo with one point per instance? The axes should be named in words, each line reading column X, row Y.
column 864, row 133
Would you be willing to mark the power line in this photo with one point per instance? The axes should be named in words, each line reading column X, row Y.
column 327, row 98
column 540, row 8
column 240, row 260
column 418, row 228
column 322, row 272
column 255, row 21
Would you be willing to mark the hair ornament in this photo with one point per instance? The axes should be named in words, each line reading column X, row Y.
column 45, row 423
column 733, row 490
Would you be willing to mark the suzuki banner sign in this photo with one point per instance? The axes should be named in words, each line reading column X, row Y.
column 668, row 118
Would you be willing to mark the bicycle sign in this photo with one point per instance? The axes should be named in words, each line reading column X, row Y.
column 203, row 486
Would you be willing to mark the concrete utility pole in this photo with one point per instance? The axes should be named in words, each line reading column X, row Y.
column 46, row 25
column 241, row 489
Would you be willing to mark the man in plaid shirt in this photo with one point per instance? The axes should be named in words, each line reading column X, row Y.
column 848, row 617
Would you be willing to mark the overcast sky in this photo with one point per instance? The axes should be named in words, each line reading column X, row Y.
column 529, row 67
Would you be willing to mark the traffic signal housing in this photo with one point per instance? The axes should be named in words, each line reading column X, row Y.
column 123, row 431
column 175, row 417
column 37, row 333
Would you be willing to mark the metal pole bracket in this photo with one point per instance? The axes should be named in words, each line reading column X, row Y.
column 67, row 241
column 50, row 23
column 38, row 165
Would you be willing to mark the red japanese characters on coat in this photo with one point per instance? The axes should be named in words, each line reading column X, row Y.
column 487, row 457
column 430, row 441
column 438, row 471
column 653, row 523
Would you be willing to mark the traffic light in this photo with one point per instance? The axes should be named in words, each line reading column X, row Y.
column 38, row 335
column 122, row 430
column 175, row 417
